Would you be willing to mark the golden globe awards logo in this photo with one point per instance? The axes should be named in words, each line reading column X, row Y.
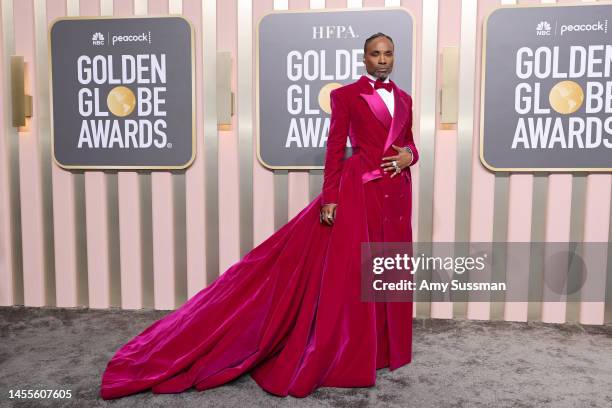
column 123, row 92
column 138, row 88
column 547, row 93
column 541, row 124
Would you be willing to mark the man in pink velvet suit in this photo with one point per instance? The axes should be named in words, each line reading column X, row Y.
column 290, row 312
column 377, row 117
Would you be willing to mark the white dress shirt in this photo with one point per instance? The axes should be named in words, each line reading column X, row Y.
column 386, row 96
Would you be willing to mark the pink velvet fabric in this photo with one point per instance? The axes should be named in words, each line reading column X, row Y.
column 289, row 313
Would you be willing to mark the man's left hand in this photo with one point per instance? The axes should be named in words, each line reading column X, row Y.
column 403, row 158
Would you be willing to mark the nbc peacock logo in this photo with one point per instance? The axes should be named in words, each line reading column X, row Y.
column 543, row 28
column 97, row 39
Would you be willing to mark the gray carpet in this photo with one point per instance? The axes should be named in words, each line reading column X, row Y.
column 456, row 363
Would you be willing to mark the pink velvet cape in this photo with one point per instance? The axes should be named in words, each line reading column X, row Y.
column 289, row 312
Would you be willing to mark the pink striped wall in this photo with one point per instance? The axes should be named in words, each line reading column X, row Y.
column 133, row 240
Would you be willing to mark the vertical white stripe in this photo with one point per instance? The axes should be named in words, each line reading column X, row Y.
column 140, row 7
column 317, row 4
column 179, row 203
column 96, row 207
column 65, row 229
column 297, row 190
column 245, row 122
column 426, row 121
column 46, row 163
column 106, row 7
column 130, row 236
column 425, row 113
column 72, row 7
column 281, row 177
column 281, row 5
column 314, row 177
column 114, row 263
column 146, row 209
column 223, row 181
column 175, row 6
column 465, row 127
column 210, row 258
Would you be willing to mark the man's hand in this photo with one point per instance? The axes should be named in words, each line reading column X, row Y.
column 403, row 158
column 328, row 214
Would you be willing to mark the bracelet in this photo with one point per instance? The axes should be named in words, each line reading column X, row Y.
column 411, row 154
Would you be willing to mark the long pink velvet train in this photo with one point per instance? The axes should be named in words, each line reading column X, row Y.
column 290, row 312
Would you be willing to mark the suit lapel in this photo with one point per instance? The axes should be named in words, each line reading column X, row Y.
column 381, row 113
column 400, row 114
column 375, row 103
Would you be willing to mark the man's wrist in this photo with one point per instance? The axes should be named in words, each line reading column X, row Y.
column 411, row 154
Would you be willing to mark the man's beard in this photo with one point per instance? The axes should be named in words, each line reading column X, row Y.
column 381, row 75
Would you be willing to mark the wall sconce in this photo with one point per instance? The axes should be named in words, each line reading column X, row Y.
column 450, row 82
column 22, row 103
column 225, row 96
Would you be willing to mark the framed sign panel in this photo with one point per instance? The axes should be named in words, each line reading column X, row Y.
column 546, row 96
column 122, row 92
column 301, row 58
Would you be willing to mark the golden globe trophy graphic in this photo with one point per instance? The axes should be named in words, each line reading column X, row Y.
column 121, row 101
column 566, row 97
column 324, row 99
